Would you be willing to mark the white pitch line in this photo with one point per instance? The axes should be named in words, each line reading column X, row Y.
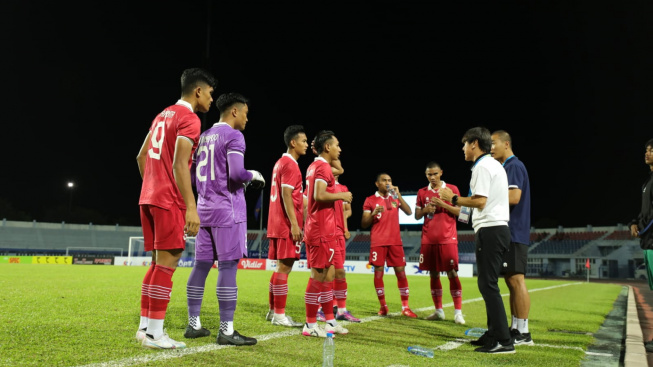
column 452, row 345
column 169, row 354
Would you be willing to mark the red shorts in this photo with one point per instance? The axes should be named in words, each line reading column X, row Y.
column 163, row 229
column 284, row 248
column 390, row 255
column 321, row 255
column 439, row 257
column 339, row 258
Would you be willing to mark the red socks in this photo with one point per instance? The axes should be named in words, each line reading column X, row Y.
column 145, row 291
column 313, row 290
column 280, row 291
column 380, row 288
column 340, row 292
column 159, row 292
column 436, row 292
column 402, row 283
column 456, row 292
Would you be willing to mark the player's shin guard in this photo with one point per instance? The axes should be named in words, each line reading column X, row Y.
column 160, row 289
column 145, row 295
column 271, row 291
column 326, row 300
column 436, row 292
column 313, row 290
column 195, row 286
column 379, row 286
column 227, row 290
column 340, row 293
column 402, row 283
column 456, row 292
column 280, row 291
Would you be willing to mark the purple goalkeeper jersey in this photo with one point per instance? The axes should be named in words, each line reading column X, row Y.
column 220, row 199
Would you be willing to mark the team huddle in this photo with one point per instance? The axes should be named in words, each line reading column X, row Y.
column 313, row 212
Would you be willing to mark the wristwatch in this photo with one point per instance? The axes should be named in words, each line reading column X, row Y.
column 454, row 200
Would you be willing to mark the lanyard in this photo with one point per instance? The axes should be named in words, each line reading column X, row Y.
column 475, row 163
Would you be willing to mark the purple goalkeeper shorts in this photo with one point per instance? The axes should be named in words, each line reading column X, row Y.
column 221, row 243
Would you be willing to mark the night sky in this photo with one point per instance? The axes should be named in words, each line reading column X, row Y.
column 399, row 82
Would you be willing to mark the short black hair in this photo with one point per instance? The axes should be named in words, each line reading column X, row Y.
column 378, row 175
column 433, row 164
column 321, row 139
column 649, row 143
column 227, row 100
column 291, row 133
column 482, row 135
column 195, row 77
column 504, row 136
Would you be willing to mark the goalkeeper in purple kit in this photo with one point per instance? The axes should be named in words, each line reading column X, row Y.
column 221, row 180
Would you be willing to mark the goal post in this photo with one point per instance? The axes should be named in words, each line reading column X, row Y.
column 137, row 248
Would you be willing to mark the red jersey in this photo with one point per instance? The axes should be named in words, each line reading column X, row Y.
column 385, row 225
column 320, row 221
column 285, row 173
column 442, row 228
column 159, row 186
column 339, row 207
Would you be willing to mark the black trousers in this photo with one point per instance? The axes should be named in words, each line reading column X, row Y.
column 491, row 244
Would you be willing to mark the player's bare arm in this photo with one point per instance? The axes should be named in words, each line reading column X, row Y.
column 403, row 204
column 183, row 149
column 322, row 195
column 427, row 209
column 514, row 195
column 141, row 158
column 368, row 217
column 289, row 207
column 475, row 201
column 344, row 217
column 336, row 167
column 346, row 207
column 453, row 209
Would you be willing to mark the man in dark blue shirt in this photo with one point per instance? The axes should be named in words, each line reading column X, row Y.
column 515, row 260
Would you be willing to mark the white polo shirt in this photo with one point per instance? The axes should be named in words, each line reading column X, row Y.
column 489, row 179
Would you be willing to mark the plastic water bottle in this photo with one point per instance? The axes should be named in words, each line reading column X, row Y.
column 475, row 332
column 421, row 351
column 392, row 192
column 328, row 351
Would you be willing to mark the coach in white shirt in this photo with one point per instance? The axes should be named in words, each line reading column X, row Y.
column 487, row 203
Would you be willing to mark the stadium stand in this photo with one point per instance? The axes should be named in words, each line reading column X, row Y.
column 619, row 235
column 55, row 238
column 612, row 252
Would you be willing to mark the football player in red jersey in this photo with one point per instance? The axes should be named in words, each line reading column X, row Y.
column 439, row 243
column 320, row 235
column 381, row 211
column 285, row 222
column 167, row 202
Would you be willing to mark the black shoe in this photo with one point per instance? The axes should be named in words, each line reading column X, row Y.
column 335, row 310
column 234, row 339
column 480, row 341
column 521, row 338
column 496, row 348
column 192, row 333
